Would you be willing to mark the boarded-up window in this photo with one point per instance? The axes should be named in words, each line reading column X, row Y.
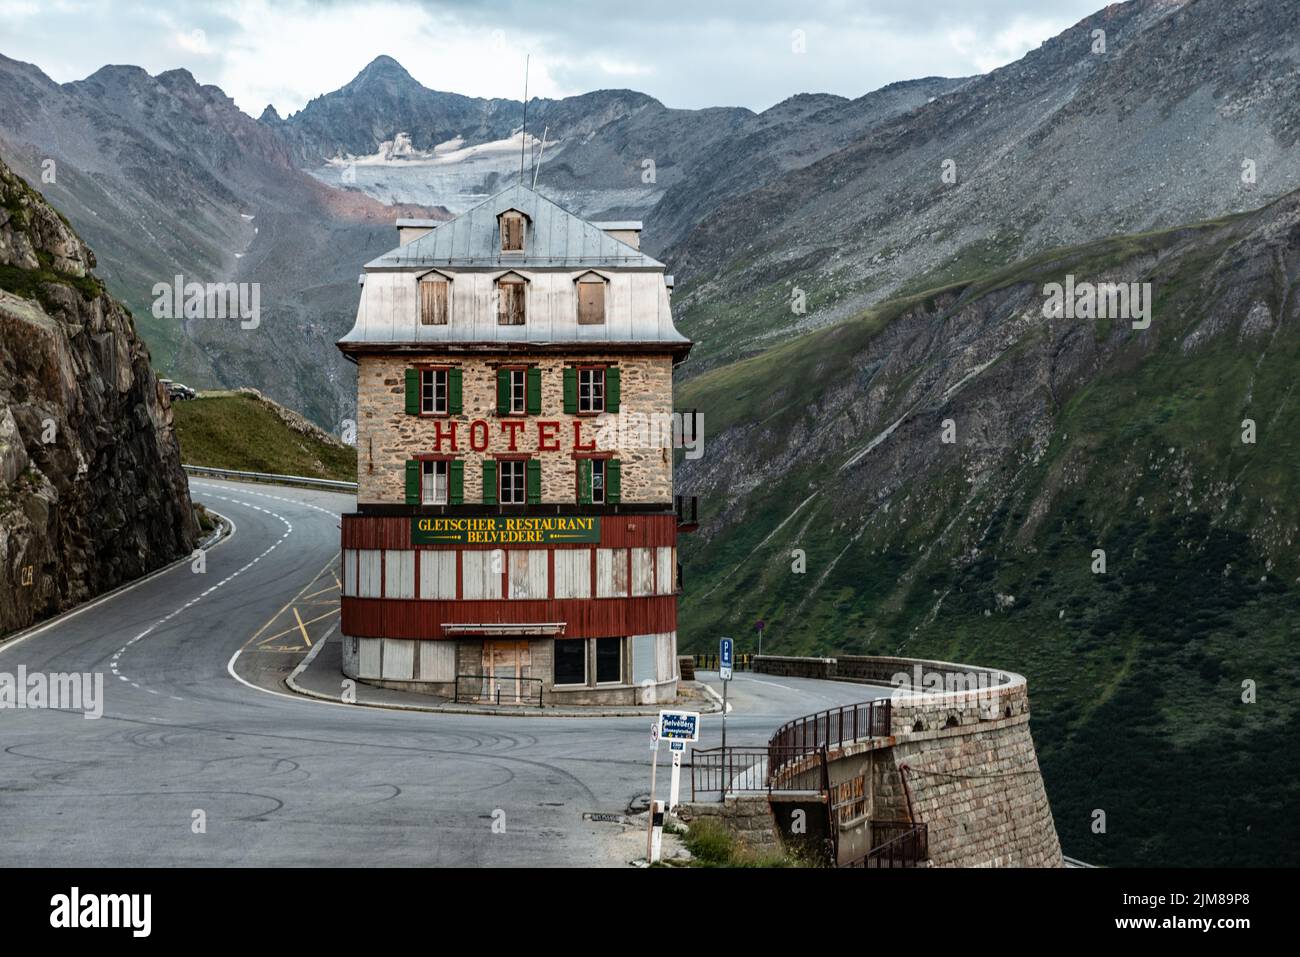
column 611, row 572
column 512, row 232
column 573, row 573
column 528, row 573
column 482, row 573
column 643, row 571
column 591, row 302
column 438, row 575
column 399, row 659
column 368, row 657
column 399, row 573
column 369, row 573
column 349, row 572
column 434, row 300
column 437, row 659
column 510, row 299
column 665, row 570
column 644, row 666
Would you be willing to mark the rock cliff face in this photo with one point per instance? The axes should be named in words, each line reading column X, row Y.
column 91, row 488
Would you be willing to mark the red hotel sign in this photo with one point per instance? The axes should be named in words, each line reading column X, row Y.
column 448, row 435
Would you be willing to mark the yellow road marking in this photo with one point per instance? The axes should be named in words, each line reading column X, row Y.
column 272, row 619
column 290, row 629
column 302, row 627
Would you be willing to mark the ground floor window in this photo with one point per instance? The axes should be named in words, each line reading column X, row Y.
column 571, row 662
column 609, row 660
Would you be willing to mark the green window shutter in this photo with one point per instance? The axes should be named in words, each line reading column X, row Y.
column 503, row 391
column 612, row 389
column 534, row 482
column 413, row 482
column 570, row 391
column 453, row 391
column 456, row 482
column 489, row 482
column 412, row 391
column 584, row 481
column 613, row 481
column 534, row 391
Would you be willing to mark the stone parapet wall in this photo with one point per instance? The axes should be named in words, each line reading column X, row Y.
column 961, row 744
column 747, row 818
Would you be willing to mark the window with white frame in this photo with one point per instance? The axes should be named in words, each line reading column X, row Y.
column 591, row 390
column 433, row 391
column 513, row 481
column 433, row 482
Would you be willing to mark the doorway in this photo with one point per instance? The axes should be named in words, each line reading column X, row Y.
column 507, row 670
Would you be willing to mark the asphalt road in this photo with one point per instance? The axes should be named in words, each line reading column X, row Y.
column 277, row 779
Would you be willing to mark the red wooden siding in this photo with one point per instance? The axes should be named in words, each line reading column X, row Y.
column 585, row 617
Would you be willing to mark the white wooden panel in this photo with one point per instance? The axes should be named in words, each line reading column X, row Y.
column 399, row 573
column 611, row 572
column 644, row 666
column 399, row 658
column 350, row 572
column 528, row 573
column 369, row 573
column 643, row 571
column 438, row 574
column 482, row 573
column 368, row 658
column 665, row 570
column 666, row 656
column 438, row 659
column 573, row 573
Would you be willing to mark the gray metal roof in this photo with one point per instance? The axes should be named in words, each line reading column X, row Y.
column 554, row 237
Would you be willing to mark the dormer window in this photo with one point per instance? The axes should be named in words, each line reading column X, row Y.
column 591, row 299
column 435, row 300
column 512, row 291
column 512, row 231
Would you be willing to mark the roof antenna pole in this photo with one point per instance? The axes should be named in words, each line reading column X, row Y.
column 538, row 168
column 523, row 138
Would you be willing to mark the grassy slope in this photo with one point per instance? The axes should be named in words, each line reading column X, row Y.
column 1136, row 675
column 240, row 431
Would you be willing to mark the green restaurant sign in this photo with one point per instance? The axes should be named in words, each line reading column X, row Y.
column 503, row 530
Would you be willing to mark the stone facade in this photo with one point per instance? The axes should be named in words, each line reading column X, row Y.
column 387, row 437
column 747, row 818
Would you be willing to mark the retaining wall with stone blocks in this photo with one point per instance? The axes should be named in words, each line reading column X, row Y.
column 387, row 437
column 747, row 818
column 966, row 752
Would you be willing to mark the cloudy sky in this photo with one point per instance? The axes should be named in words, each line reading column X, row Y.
column 717, row 53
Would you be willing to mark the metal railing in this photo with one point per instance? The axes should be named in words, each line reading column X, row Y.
column 832, row 728
column 734, row 769
column 486, row 689
column 267, row 477
column 709, row 662
column 898, row 844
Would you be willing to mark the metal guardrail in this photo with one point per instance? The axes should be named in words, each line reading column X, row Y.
column 831, row 728
column 486, row 689
column 715, row 770
column 708, row 661
column 905, row 845
column 267, row 477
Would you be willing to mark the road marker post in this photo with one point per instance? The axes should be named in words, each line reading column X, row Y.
column 677, row 748
column 677, row 728
column 650, row 809
column 726, row 655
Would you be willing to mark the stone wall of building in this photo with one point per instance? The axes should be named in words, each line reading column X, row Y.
column 387, row 437
column 747, row 818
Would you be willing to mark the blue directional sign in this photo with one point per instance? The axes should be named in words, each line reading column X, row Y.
column 679, row 725
column 725, row 656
